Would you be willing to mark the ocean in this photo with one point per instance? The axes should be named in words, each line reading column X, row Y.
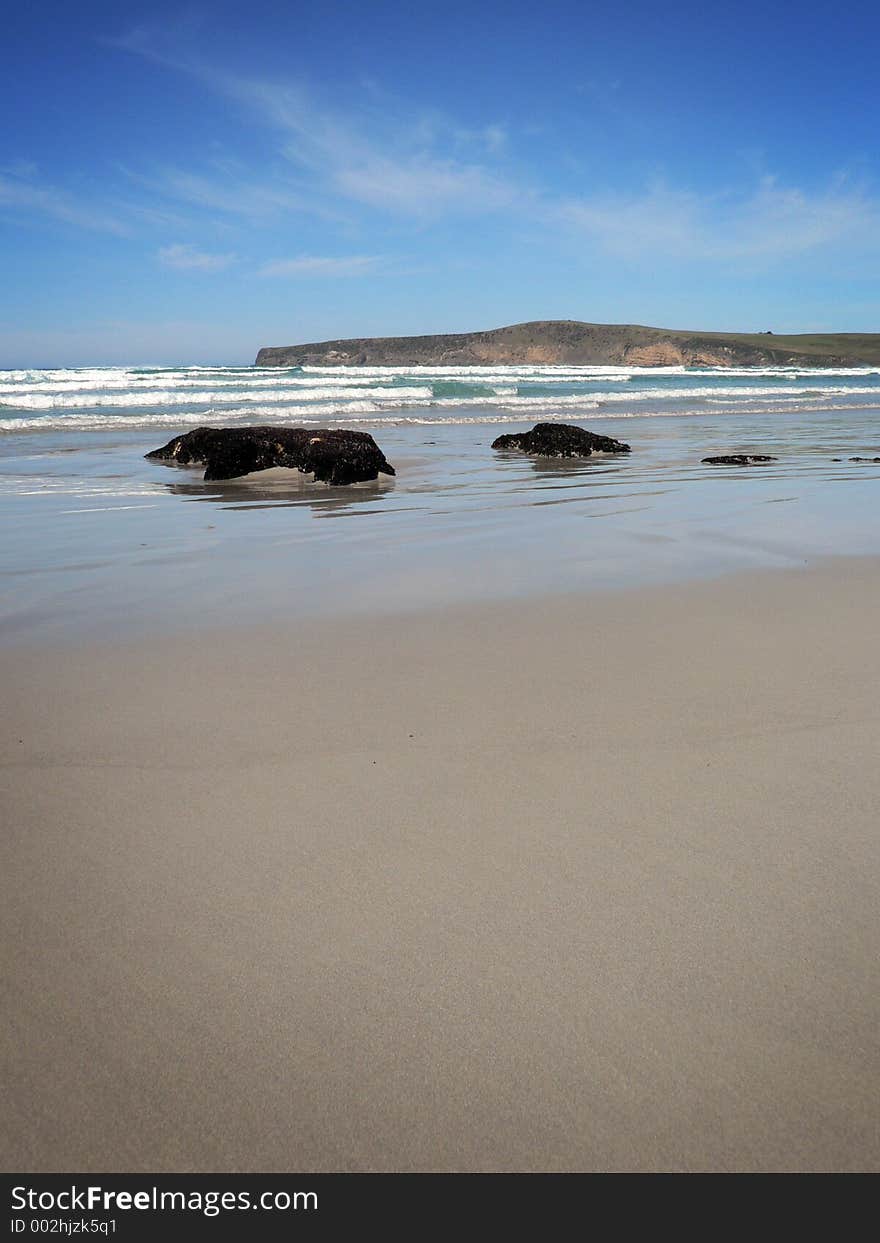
column 113, row 398
column 97, row 535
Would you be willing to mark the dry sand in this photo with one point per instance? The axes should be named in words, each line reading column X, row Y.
column 566, row 885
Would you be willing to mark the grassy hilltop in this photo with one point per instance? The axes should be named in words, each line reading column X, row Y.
column 571, row 342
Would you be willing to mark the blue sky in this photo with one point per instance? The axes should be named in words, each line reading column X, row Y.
column 187, row 184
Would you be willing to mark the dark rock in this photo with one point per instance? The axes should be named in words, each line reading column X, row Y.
column 738, row 459
column 560, row 440
column 865, row 459
column 335, row 457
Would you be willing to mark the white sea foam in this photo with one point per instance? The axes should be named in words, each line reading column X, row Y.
column 172, row 397
column 362, row 412
column 371, row 414
column 107, row 398
column 137, row 384
column 128, row 399
column 745, row 390
column 88, row 376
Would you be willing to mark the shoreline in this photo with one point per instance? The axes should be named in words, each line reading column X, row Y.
column 102, row 541
column 580, row 882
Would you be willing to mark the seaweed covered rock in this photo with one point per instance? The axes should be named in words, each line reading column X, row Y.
column 560, row 440
column 336, row 456
column 738, row 459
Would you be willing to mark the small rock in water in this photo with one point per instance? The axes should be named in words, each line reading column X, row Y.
column 738, row 459
column 336, row 457
column 865, row 459
column 560, row 440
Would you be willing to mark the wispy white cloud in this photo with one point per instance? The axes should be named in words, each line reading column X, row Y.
column 423, row 186
column 188, row 258
column 19, row 168
column 424, row 166
column 321, row 265
column 30, row 196
column 407, row 166
column 398, row 167
column 237, row 194
column 767, row 223
column 495, row 137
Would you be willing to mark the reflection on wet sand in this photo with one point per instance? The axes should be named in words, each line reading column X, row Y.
column 272, row 489
column 104, row 527
column 562, row 468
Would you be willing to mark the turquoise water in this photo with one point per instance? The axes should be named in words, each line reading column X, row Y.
column 96, row 536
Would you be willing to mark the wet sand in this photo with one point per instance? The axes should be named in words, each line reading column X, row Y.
column 563, row 884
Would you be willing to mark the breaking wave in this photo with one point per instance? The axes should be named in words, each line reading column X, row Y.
column 106, row 398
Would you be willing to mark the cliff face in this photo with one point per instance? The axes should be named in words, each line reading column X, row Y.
column 548, row 342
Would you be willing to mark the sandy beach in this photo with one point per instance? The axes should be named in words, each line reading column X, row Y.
column 439, row 602
column 567, row 883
